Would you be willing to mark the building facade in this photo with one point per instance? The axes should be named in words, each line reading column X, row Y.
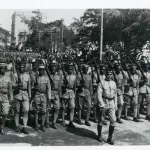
column 4, row 39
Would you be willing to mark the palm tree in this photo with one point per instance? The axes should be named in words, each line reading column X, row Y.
column 77, row 25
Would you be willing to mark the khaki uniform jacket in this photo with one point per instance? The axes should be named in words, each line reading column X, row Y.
column 43, row 87
column 107, row 94
column 25, row 90
column 6, row 92
column 145, row 88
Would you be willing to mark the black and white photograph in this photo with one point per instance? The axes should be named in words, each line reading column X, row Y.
column 74, row 77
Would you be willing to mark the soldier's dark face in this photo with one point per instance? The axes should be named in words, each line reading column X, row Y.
column 70, row 70
column 85, row 70
column 21, row 69
column 2, row 70
column 108, row 77
column 102, row 70
column 118, row 69
column 133, row 70
column 41, row 72
column 146, row 68
column 34, row 67
column 53, row 70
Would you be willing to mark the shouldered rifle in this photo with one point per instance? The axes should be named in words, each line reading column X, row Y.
column 19, row 84
column 74, row 65
column 111, row 68
column 64, row 87
column 94, row 86
column 139, row 67
column 82, row 79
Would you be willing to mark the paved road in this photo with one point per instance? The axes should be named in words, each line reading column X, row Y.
column 128, row 133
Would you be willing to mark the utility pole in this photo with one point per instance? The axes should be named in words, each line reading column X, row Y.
column 101, row 36
column 51, row 39
column 62, row 34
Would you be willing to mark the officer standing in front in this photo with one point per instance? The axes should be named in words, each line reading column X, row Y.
column 107, row 99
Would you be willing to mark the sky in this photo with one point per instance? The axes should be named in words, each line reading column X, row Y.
column 52, row 15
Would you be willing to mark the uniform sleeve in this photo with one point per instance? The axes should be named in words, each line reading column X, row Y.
column 99, row 95
column 91, row 87
column 137, row 84
column 95, row 78
column 48, row 89
column 115, row 96
column 60, row 85
column 74, row 87
column 10, row 91
column 14, row 80
column 78, row 78
column 29, row 87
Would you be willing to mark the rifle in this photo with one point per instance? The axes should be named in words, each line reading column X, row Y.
column 141, row 70
column 64, row 87
column 82, row 79
column 74, row 65
column 111, row 68
column 16, row 91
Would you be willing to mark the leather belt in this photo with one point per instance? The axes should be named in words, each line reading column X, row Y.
column 107, row 98
column 40, row 92
column 23, row 89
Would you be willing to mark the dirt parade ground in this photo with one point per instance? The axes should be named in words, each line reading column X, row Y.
column 128, row 133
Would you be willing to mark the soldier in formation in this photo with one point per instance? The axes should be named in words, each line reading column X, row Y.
column 54, row 86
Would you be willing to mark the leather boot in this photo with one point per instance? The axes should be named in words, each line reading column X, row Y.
column 79, row 117
column 87, row 117
column 2, row 132
column 111, row 130
column 95, row 117
column 99, row 129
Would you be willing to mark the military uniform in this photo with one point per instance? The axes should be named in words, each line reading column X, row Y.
column 42, row 96
column 68, row 98
column 22, row 94
column 22, row 98
column 120, row 77
column 95, row 84
column 6, row 95
column 55, row 94
column 131, row 92
column 84, row 97
column 107, row 99
column 144, row 90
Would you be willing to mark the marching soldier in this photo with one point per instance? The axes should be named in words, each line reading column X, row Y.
column 102, row 68
column 95, row 81
column 42, row 96
column 22, row 96
column 101, row 71
column 144, row 90
column 107, row 99
column 6, row 94
column 84, row 96
column 120, row 79
column 33, row 72
column 68, row 98
column 55, row 94
column 131, row 92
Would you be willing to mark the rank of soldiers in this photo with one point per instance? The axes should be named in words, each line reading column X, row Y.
column 102, row 90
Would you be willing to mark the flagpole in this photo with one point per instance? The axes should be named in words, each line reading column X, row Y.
column 101, row 36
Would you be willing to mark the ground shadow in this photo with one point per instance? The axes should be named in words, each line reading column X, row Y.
column 82, row 132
